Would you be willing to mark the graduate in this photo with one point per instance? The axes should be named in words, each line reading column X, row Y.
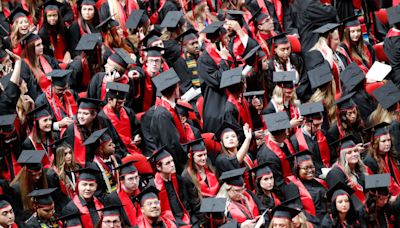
column 115, row 9
column 391, row 43
column 263, row 29
column 20, row 26
column 60, row 101
column 121, row 118
column 85, row 202
column 43, row 208
column 189, row 120
column 10, row 147
column 127, row 189
column 7, row 216
column 111, row 217
column 256, row 101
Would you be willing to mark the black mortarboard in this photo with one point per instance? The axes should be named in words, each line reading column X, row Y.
column 89, row 103
column 378, row 129
column 251, row 94
column 32, row 159
column 231, row 77
column 151, row 37
column 393, row 14
column 352, row 76
column 166, row 79
column 195, row 145
column 127, row 168
column 282, row 211
column 17, row 13
column 236, row 15
column 351, row 21
column 339, row 188
column 29, row 38
column 88, row 173
column 233, row 177
column 42, row 197
column 301, row 156
column 230, row 224
column 183, row 108
column 258, row 16
column 171, row 20
column 212, row 31
column 378, row 183
column 250, row 57
column 387, row 95
column 111, row 210
column 284, row 79
column 7, row 122
column 39, row 112
column 71, row 219
column 277, row 121
column 326, row 28
column 154, row 51
column 107, row 24
column 137, row 19
column 186, row 36
column 345, row 102
column 150, row 192
column 98, row 135
column 225, row 127
column 59, row 142
column 261, row 170
column 292, row 194
column 88, row 42
column 159, row 155
column 59, row 77
column 86, row 2
column 320, row 75
column 312, row 110
column 117, row 90
column 293, row 202
column 121, row 57
column 280, row 39
column 5, row 201
column 50, row 5
column 213, row 205
column 345, row 142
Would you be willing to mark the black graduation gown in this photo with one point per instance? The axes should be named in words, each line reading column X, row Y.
column 44, row 35
column 9, row 96
column 231, row 115
column 327, row 222
column 5, row 25
column 149, row 141
column 140, row 84
column 335, row 175
column 71, row 208
column 193, row 197
column 225, row 163
column 345, row 9
column 169, row 5
column 391, row 47
column 35, row 222
column 271, row 109
column 113, row 198
column 61, row 199
column 395, row 132
column 333, row 134
column 366, row 104
column 172, row 52
column 185, row 75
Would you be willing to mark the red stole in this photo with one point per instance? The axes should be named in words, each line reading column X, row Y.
column 163, row 196
column 148, row 91
column 395, row 175
column 85, row 215
column 358, row 189
column 79, row 148
column 359, row 62
column 214, row 54
column 123, row 79
column 177, row 121
column 243, row 110
column 17, row 50
column 262, row 40
column 211, row 189
column 154, row 16
column 238, row 49
column 278, row 11
column 143, row 222
column 48, row 159
column 81, row 31
column 322, row 145
column 129, row 206
column 246, row 209
column 188, row 132
column 66, row 190
column 59, row 47
column 69, row 107
column 86, row 74
column 392, row 33
column 305, row 196
column 286, row 169
column 43, row 81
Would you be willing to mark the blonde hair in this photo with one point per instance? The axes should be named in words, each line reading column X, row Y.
column 15, row 35
column 289, row 223
column 303, row 220
column 360, row 166
column 326, row 94
column 277, row 96
column 380, row 115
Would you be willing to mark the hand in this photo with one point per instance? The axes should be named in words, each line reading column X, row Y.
column 27, row 99
column 65, row 122
column 137, row 139
column 133, row 57
column 250, row 223
column 223, row 52
column 13, row 55
column 360, row 148
column 247, row 131
column 33, row 29
column 133, row 74
column 232, row 24
column 295, row 122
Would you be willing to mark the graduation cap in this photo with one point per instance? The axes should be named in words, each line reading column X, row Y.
column 100, row 135
column 32, row 159
column 52, row 5
column 59, row 142
column 250, row 57
column 280, row 39
column 233, row 177
column 345, row 103
column 126, row 168
column 39, row 112
column 215, row 206
column 251, row 94
column 88, row 42
column 17, row 13
column 172, row 19
column 117, row 90
column 29, row 38
column 88, row 173
column 111, row 210
column 154, row 51
column 5, row 201
column 165, row 80
column 150, row 192
column 42, row 197
column 293, row 202
column 159, row 155
column 230, row 224
column 59, row 77
column 312, row 110
column 86, row 2
column 378, row 183
column 284, row 79
column 282, row 211
column 387, row 95
column 258, row 16
column 150, row 38
column 378, row 129
column 231, row 77
column 89, row 103
column 183, row 108
column 236, row 15
column 320, row 75
column 186, row 36
column 121, row 58
column 300, row 157
column 278, row 121
column 352, row 76
column 7, row 122
column 345, row 142
column 326, row 28
column 137, row 19
column 225, row 127
column 351, row 21
column 71, row 219
column 393, row 14
column 213, row 30
column 196, row 145
column 339, row 188
column 107, row 24
column 261, row 170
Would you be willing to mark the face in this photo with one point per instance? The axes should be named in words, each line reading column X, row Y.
column 120, row 31
column 7, row 216
column 283, row 51
column 131, row 181
column 381, row 201
column 280, row 223
column 266, row 25
column 153, row 64
column 86, row 189
column 230, row 140
column 355, row 33
column 36, row 175
column 288, row 93
column 315, row 126
column 235, row 192
column 38, row 47
column 116, row 103
column 200, row 158
column 111, row 221
column 342, row 203
column 108, row 148
column 110, row 66
column 306, row 170
column 192, row 47
column 45, row 213
column 60, row 90
column 267, row 182
column 85, row 117
column 167, row 165
column 23, row 25
column 87, row 12
column 334, row 40
column 352, row 155
column 68, row 156
column 385, row 143
column 52, row 17
column 296, row 221
column 151, row 208
column 351, row 115
column 45, row 124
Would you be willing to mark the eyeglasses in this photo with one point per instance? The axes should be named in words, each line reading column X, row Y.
column 114, row 222
column 311, row 167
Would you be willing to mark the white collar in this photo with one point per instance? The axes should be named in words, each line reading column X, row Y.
column 173, row 104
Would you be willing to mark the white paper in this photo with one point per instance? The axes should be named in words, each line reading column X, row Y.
column 325, row 172
column 190, row 94
column 261, row 220
column 246, row 70
column 378, row 71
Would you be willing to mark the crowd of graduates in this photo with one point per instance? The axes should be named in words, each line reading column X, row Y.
column 200, row 113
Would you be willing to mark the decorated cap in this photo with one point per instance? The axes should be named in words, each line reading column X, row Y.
column 378, row 129
column 172, row 19
column 137, row 19
column 121, row 58
column 378, row 183
column 42, row 197
column 88, row 42
column 166, row 79
column 261, row 170
column 159, row 155
column 150, row 38
column 233, row 177
column 29, row 38
column 231, row 77
column 154, row 51
column 320, row 75
column 196, row 145
column 89, row 103
column 312, row 110
column 107, row 24
column 150, row 192
column 345, row 102
column 352, row 76
column 393, row 14
column 188, row 35
column 32, row 159
column 59, row 77
column 345, row 142
column 52, row 5
column 117, row 90
column 326, row 28
column 277, row 121
column 7, row 122
column 99, row 135
column 88, row 173
column 351, row 21
column 225, row 127
column 39, row 112
column 339, row 188
column 284, row 79
column 280, row 39
column 17, row 13
column 387, row 95
column 127, row 168
column 282, row 211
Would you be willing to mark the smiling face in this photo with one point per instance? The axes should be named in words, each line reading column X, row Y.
column 306, row 170
column 85, row 117
column 352, row 155
column 151, row 208
column 45, row 124
column 86, row 189
column 230, row 140
column 23, row 25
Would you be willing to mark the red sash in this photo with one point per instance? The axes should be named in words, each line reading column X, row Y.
column 246, row 209
column 59, row 47
column 322, row 145
column 123, row 79
column 81, row 31
column 43, row 80
column 129, row 206
column 86, row 75
column 286, row 170
column 278, row 11
column 163, row 196
column 211, row 189
column 358, row 189
column 238, row 49
column 143, row 222
column 188, row 132
column 85, row 215
column 48, row 159
column 148, row 91
column 262, row 40
column 154, row 16
column 79, row 148
column 214, row 54
column 359, row 62
column 392, row 33
column 395, row 175
column 70, row 107
column 276, row 199
column 131, row 5
column 17, row 50
column 177, row 121
column 305, row 196
column 243, row 110
column 67, row 191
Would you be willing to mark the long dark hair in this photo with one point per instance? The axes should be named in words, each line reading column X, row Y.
column 53, row 30
column 350, row 216
column 85, row 132
column 95, row 20
column 29, row 53
column 358, row 125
